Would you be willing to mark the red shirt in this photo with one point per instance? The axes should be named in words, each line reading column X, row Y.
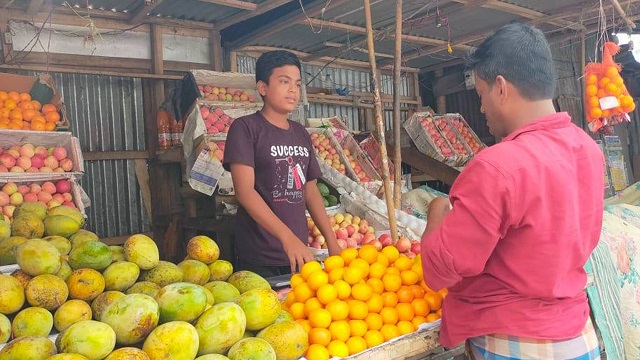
column 526, row 214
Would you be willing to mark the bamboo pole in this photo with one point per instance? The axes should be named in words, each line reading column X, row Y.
column 397, row 158
column 623, row 15
column 377, row 105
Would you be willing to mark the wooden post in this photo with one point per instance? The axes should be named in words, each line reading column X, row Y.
column 216, row 50
column 377, row 104
column 441, row 100
column 397, row 83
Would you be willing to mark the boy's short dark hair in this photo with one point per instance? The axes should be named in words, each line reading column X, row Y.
column 521, row 54
column 274, row 59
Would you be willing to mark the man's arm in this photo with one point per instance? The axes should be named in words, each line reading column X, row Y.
column 319, row 215
column 459, row 244
column 243, row 182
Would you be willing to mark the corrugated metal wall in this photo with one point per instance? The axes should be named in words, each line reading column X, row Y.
column 334, row 77
column 107, row 114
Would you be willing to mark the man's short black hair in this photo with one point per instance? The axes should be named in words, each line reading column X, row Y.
column 274, row 59
column 521, row 54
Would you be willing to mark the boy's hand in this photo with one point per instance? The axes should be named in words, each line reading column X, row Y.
column 296, row 251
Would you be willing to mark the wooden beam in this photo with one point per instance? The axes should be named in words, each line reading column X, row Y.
column 139, row 15
column 114, row 155
column 412, row 39
column 244, row 5
column 260, row 9
column 34, row 6
column 215, row 49
column 273, row 27
column 630, row 23
column 334, row 51
column 429, row 166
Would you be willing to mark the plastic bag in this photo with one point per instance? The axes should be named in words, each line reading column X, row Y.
column 606, row 97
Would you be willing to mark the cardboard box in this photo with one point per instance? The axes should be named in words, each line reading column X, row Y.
column 232, row 81
column 41, row 88
column 47, row 139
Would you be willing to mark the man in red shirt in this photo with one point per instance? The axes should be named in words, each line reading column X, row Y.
column 522, row 219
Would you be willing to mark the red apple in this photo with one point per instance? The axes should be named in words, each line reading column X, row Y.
column 377, row 244
column 350, row 230
column 342, row 233
column 403, row 244
column 342, row 243
column 385, row 239
column 415, row 247
column 352, row 243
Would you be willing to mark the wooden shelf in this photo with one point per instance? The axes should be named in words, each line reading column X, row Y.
column 429, row 166
column 173, row 155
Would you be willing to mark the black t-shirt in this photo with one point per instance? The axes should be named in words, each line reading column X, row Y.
column 283, row 161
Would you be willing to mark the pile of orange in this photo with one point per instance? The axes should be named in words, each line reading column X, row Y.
column 609, row 83
column 19, row 112
column 362, row 298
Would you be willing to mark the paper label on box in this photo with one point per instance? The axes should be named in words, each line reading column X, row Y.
column 205, row 173
column 609, row 102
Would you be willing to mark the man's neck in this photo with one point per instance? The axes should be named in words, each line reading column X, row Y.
column 274, row 117
column 531, row 111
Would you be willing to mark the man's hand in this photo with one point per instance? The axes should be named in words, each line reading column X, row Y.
column 334, row 248
column 297, row 252
column 438, row 209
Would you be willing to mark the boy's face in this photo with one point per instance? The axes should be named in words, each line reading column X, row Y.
column 283, row 91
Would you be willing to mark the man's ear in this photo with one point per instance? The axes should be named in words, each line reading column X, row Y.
column 502, row 87
column 262, row 88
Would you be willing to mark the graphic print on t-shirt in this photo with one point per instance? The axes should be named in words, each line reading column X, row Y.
column 290, row 177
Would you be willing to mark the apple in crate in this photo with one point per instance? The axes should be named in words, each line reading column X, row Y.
column 326, row 152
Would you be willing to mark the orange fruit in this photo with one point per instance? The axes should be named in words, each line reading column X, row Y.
column 377, row 286
column 434, row 300
column 374, row 321
column 391, row 252
column 338, row 348
column 439, row 312
column 14, row 126
column 403, row 263
column 443, row 293
column 3, row 95
column 405, row 311
column 358, row 327
column 392, row 270
column 352, row 275
column 604, row 82
column 375, row 303
column 389, row 315
column 418, row 291
column 320, row 318
column 28, row 114
column 340, row 330
column 613, row 89
column 311, row 305
column 409, row 277
column 591, row 90
column 15, row 114
column 418, row 320
column 289, row 299
column 392, row 282
column 592, row 79
column 25, row 97
column 383, row 259
column 52, row 117
column 389, row 332
column 361, row 291
column 339, row 310
column 368, row 253
column 297, row 310
column 26, row 126
column 320, row 336
column 406, row 327
column 405, row 294
column 417, row 268
column 306, row 270
column 302, row 292
column 420, row 307
column 38, row 118
column 358, row 310
column 377, row 270
column 48, row 108
column 14, row 96
column 317, row 279
column 305, row 325
column 296, row 279
column 36, row 105
column 333, row 262
column 618, row 81
column 362, row 265
column 432, row 317
column 26, row 105
column 595, row 113
column 4, row 113
column 317, row 352
column 373, row 338
column 601, row 93
column 336, row 274
column 10, row 104
column 390, row 299
column 356, row 344
column 327, row 293
column 348, row 255
column 38, row 126
column 343, row 288
column 611, row 72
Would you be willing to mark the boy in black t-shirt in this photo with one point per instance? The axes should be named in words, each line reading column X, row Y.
column 274, row 171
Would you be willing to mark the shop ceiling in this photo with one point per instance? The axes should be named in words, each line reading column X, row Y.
column 328, row 29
